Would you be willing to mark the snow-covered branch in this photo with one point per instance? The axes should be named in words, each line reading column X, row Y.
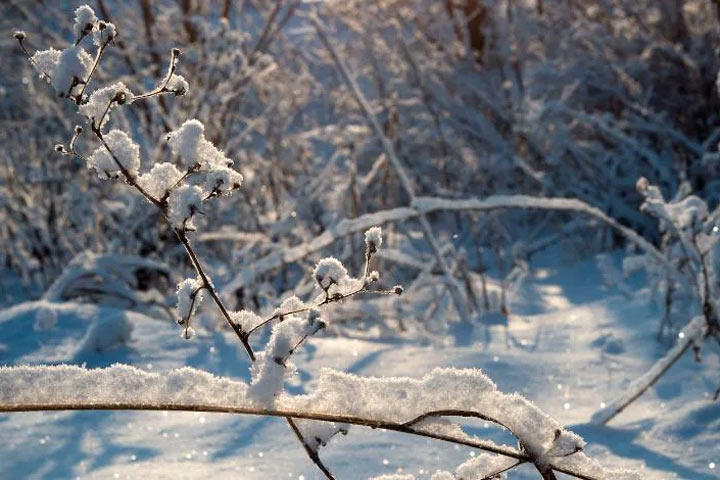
column 412, row 406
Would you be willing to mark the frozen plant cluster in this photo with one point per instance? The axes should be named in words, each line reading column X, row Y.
column 192, row 173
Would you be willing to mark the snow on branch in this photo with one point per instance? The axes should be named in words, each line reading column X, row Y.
column 422, row 205
column 412, row 406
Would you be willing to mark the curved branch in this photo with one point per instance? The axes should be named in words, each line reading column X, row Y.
column 423, row 205
column 295, row 414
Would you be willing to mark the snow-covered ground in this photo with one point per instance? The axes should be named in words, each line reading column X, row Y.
column 572, row 345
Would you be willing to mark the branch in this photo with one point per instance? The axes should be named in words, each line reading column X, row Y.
column 693, row 332
column 427, row 205
column 295, row 414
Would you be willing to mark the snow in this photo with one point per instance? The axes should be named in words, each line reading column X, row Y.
column 373, row 238
column 272, row 366
column 330, row 271
column 45, row 62
column 161, row 178
column 189, row 143
column 85, row 20
column 189, row 297
column 481, row 466
column 101, row 103
column 178, row 85
column 67, row 384
column 693, row 333
column 246, row 319
column 45, row 319
column 73, row 66
column 123, row 149
column 222, row 180
column 105, row 334
column 64, row 67
column 662, row 434
column 104, row 33
column 185, row 201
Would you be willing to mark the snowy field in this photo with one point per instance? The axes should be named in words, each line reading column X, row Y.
column 572, row 345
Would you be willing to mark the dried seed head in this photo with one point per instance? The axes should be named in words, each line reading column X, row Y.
column 398, row 290
column 120, row 98
column 60, row 148
column 19, row 35
column 78, row 129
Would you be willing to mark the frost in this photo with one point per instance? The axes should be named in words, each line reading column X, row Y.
column 329, row 271
column 373, row 239
column 72, row 67
column 85, row 20
column 189, row 296
column 124, row 151
column 246, row 319
column 101, row 103
column 189, row 143
column 184, row 202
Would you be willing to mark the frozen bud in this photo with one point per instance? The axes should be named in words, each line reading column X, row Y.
column 78, row 129
column 642, row 185
column 120, row 98
column 175, row 52
column 19, row 35
column 102, row 25
column 188, row 333
column 373, row 276
column 60, row 148
column 397, row 290
column 373, row 239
